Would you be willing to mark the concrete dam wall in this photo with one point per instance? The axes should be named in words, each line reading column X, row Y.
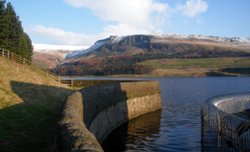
column 91, row 114
column 226, row 123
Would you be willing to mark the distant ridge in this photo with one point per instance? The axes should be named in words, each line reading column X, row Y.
column 112, row 41
column 124, row 54
column 48, row 56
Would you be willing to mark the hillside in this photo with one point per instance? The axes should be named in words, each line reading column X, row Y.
column 48, row 56
column 30, row 104
column 122, row 55
column 227, row 66
column 47, row 60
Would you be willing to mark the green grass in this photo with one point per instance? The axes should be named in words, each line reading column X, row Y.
column 30, row 105
column 27, row 128
column 197, row 63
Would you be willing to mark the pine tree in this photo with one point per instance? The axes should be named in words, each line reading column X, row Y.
column 3, row 25
column 25, row 46
column 13, row 30
column 12, row 36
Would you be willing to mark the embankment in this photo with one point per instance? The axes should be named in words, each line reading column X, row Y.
column 91, row 114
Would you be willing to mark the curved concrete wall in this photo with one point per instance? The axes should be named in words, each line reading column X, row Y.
column 226, row 118
column 232, row 103
column 91, row 114
column 115, row 115
column 73, row 134
column 230, row 114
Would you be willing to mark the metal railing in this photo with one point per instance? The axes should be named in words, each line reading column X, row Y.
column 20, row 60
column 225, row 123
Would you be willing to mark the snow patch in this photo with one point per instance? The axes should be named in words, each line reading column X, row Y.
column 204, row 37
column 39, row 47
column 97, row 45
column 116, row 38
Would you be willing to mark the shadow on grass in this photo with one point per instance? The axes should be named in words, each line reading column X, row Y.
column 30, row 125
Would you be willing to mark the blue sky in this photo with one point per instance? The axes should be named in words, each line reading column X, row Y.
column 82, row 22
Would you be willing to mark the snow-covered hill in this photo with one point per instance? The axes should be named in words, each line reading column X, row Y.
column 98, row 44
column 113, row 40
column 206, row 37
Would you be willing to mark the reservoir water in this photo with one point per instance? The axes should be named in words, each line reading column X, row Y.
column 177, row 127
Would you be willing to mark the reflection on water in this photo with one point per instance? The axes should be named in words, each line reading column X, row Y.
column 137, row 134
column 180, row 122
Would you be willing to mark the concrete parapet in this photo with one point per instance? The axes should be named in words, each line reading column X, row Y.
column 226, row 122
column 91, row 114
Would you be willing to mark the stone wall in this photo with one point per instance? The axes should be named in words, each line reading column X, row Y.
column 73, row 134
column 91, row 114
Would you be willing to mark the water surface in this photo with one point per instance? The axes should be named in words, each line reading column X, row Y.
column 177, row 126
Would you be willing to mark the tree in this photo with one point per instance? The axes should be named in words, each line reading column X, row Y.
column 14, row 30
column 3, row 25
column 12, row 36
column 25, row 46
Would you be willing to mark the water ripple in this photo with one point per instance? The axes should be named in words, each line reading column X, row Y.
column 175, row 128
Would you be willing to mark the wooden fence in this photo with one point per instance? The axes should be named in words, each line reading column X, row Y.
column 70, row 82
column 18, row 59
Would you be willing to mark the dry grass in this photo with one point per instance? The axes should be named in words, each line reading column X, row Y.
column 194, row 67
column 197, row 63
column 30, row 105
column 180, row 72
column 11, row 71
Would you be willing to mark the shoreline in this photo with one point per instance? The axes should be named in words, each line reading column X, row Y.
column 90, row 77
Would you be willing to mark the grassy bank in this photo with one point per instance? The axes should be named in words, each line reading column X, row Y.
column 30, row 105
column 197, row 63
column 198, row 67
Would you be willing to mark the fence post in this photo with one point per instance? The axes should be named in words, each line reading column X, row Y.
column 8, row 54
column 72, row 81
column 18, row 59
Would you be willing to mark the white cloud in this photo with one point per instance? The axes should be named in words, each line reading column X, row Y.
column 39, row 47
column 128, row 17
column 59, row 36
column 123, row 29
column 193, row 8
column 148, row 15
